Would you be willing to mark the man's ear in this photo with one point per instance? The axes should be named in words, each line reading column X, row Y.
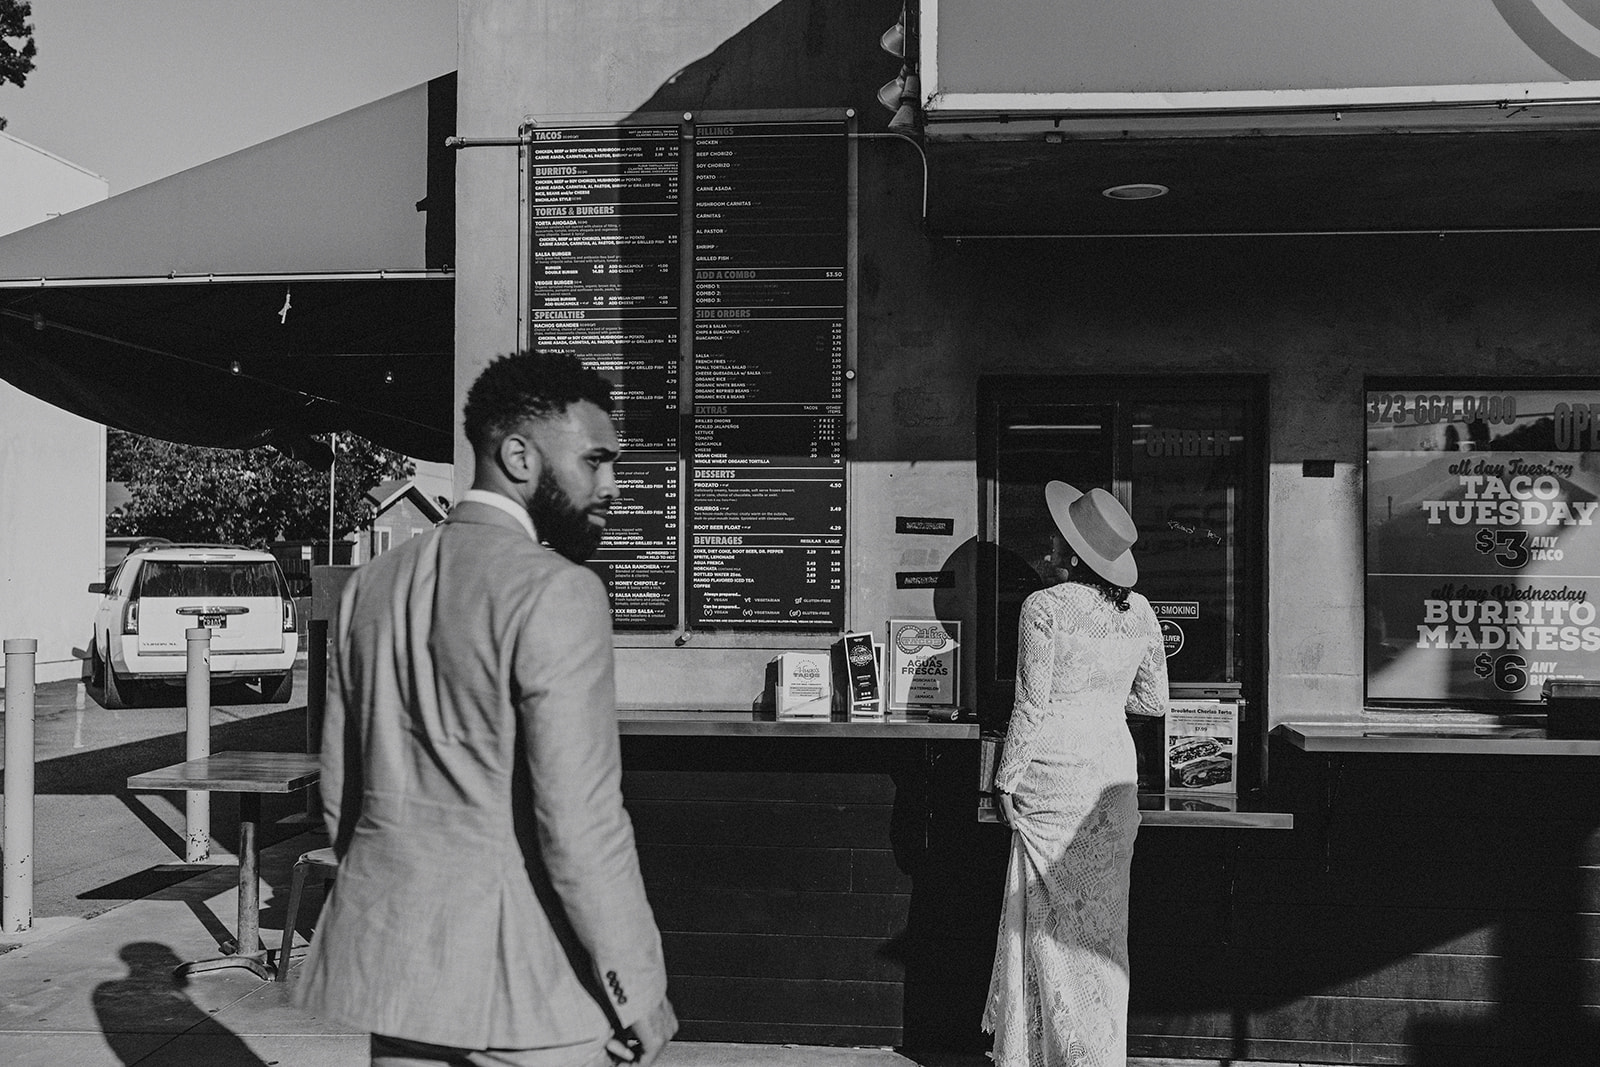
column 518, row 458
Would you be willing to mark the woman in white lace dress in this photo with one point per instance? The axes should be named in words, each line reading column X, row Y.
column 1090, row 652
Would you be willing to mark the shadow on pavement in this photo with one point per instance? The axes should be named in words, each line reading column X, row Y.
column 151, row 999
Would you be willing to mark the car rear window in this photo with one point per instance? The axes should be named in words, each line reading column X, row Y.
column 184, row 578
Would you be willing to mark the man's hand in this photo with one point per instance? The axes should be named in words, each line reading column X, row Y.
column 642, row 1042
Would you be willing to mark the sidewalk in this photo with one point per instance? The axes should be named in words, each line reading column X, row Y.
column 100, row 992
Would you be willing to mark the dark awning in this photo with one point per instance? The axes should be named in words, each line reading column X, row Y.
column 1020, row 179
column 1168, row 118
column 163, row 310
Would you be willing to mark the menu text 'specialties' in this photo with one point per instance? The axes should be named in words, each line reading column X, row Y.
column 605, row 287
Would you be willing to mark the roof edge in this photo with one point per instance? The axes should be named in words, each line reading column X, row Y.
column 405, row 274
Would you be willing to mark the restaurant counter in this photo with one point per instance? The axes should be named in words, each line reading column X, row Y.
column 1200, row 810
column 693, row 722
column 1432, row 738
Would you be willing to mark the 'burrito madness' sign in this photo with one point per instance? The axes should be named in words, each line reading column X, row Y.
column 1483, row 543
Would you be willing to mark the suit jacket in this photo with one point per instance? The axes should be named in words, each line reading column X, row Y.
column 488, row 893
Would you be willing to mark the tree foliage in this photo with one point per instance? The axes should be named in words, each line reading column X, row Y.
column 16, row 59
column 252, row 497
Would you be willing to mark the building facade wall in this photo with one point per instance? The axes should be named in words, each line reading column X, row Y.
column 1444, row 963
column 40, row 186
column 52, row 464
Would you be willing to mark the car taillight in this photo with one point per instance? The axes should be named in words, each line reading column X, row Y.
column 130, row 617
column 288, row 616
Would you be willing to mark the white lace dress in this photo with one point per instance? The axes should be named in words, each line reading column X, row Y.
column 1058, row 996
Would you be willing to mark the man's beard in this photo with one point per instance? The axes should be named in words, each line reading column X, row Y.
column 561, row 524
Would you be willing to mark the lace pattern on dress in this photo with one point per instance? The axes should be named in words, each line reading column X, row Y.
column 1058, row 995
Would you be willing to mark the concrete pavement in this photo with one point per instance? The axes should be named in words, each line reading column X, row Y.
column 98, row 845
column 92, row 982
column 100, row 992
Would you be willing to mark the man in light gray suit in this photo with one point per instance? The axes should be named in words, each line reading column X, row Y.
column 489, row 907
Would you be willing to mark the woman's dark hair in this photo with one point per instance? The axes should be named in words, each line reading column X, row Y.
column 1117, row 594
column 527, row 385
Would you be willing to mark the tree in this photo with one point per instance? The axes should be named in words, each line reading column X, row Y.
column 16, row 60
column 251, row 497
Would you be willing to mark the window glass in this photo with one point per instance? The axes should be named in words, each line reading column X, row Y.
column 1179, row 456
column 1035, row 443
column 1184, row 482
column 183, row 578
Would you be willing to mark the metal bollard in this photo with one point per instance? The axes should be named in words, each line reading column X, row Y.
column 16, row 894
column 197, row 739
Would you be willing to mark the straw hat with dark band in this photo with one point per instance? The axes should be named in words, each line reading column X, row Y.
column 1098, row 528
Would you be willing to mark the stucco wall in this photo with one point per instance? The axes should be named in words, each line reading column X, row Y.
column 1312, row 315
column 52, row 529
column 524, row 59
column 52, row 464
column 39, row 186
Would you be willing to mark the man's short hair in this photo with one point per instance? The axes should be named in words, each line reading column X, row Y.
column 527, row 385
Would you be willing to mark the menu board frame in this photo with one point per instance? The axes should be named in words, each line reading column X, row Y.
column 682, row 627
column 1481, row 535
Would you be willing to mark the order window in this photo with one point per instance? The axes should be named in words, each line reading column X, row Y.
column 1184, row 456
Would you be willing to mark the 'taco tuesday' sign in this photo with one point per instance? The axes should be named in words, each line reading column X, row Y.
column 1483, row 543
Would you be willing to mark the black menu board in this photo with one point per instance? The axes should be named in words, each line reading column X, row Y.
column 605, row 286
column 766, row 454
column 753, row 468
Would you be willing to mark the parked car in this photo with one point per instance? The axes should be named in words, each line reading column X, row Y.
column 159, row 591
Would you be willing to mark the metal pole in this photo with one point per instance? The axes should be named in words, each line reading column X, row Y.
column 333, row 446
column 16, row 900
column 197, row 738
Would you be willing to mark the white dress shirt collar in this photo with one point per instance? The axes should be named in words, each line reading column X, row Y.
column 505, row 504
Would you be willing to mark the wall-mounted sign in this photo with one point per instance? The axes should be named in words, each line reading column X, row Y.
column 732, row 436
column 1483, row 543
column 915, row 524
column 924, row 579
column 1171, row 637
column 605, row 277
column 1171, row 614
column 766, row 456
column 605, row 287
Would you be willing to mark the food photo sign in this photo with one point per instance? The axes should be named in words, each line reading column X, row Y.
column 1202, row 740
column 1482, row 542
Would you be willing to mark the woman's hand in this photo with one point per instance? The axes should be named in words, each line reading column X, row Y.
column 1007, row 806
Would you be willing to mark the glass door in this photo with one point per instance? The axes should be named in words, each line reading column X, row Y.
column 1185, row 457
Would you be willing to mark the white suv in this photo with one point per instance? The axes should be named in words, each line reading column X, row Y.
column 160, row 591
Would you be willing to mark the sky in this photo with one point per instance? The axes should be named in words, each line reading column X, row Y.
column 134, row 90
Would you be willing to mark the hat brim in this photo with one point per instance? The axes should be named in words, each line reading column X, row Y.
column 1122, row 570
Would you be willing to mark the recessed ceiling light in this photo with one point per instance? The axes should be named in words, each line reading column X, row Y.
column 1135, row 191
